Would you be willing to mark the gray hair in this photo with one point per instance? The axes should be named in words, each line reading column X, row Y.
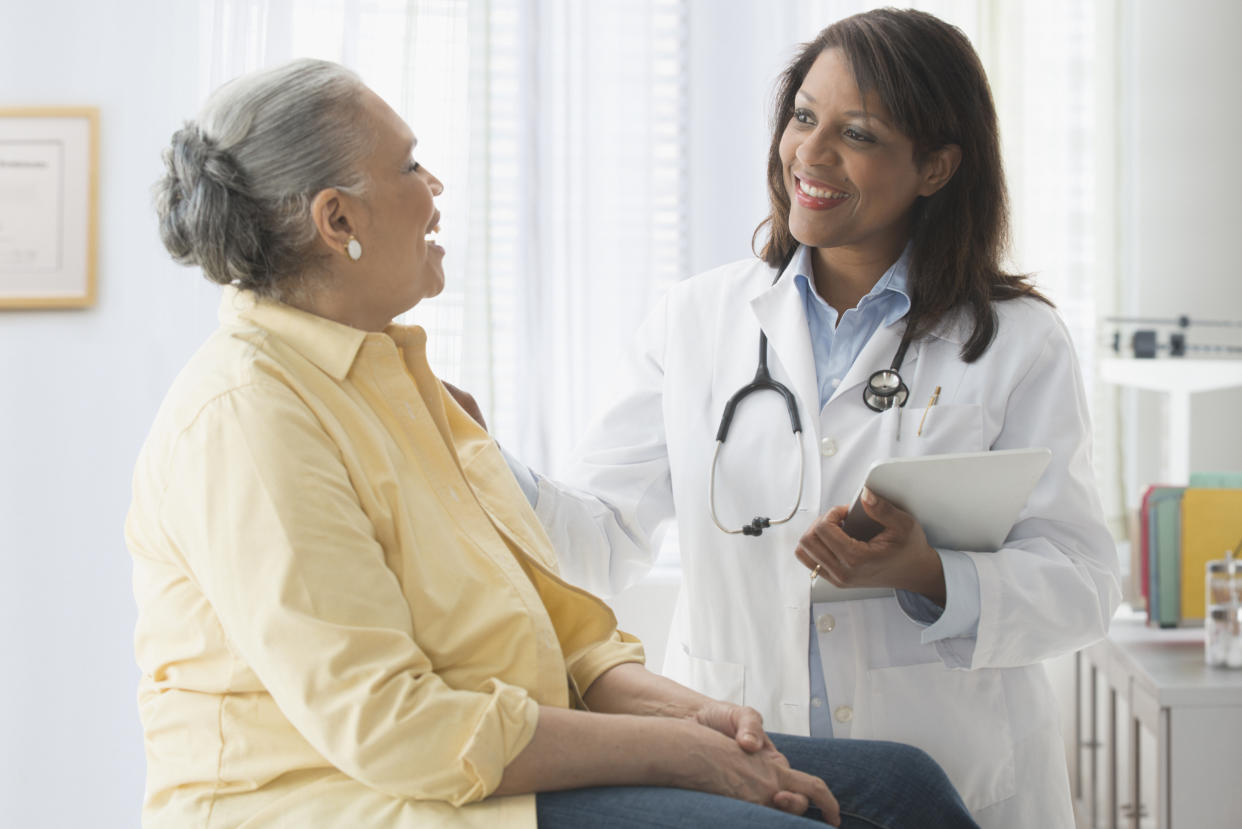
column 236, row 195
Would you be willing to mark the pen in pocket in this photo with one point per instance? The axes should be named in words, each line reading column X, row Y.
column 935, row 397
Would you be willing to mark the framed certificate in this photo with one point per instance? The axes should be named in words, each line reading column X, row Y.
column 49, row 159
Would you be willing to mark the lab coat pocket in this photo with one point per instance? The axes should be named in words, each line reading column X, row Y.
column 946, row 428
column 960, row 718
column 720, row 680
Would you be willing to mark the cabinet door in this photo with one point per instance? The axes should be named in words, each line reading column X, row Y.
column 1141, row 804
column 1133, row 768
column 1094, row 712
column 1143, row 765
column 1204, row 756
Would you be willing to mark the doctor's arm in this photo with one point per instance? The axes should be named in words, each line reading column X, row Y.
column 1052, row 588
column 603, row 519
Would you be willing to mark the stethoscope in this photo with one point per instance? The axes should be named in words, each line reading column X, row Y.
column 884, row 390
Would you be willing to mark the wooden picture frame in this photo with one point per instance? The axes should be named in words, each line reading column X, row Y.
column 49, row 197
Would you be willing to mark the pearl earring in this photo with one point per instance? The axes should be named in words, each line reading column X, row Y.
column 353, row 249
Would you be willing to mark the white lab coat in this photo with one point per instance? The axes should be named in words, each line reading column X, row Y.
column 740, row 629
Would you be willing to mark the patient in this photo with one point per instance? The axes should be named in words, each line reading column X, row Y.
column 348, row 614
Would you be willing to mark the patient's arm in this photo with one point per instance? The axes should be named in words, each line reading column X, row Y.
column 574, row 749
column 630, row 688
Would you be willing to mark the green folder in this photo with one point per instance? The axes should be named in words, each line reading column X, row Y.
column 1216, row 480
column 1165, row 535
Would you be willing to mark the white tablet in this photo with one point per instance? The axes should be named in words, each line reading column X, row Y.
column 968, row 501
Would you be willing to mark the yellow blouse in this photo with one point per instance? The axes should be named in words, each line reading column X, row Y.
column 348, row 612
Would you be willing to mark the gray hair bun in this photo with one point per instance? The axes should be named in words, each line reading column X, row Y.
column 238, row 185
column 207, row 215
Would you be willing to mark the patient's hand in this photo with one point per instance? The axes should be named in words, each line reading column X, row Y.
column 742, row 723
column 467, row 402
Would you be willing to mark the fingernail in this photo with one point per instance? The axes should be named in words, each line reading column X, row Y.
column 868, row 496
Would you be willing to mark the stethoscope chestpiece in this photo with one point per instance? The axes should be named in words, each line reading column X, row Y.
column 884, row 390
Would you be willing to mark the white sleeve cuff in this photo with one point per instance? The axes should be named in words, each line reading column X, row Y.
column 525, row 478
column 959, row 618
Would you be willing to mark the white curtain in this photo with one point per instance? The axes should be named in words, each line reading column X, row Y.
column 587, row 189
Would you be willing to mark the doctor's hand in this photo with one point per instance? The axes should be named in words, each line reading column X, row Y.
column 897, row 557
column 467, row 402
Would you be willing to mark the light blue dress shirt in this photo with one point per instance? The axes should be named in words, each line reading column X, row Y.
column 836, row 345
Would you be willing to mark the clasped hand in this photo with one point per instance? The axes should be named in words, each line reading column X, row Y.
column 758, row 773
column 898, row 557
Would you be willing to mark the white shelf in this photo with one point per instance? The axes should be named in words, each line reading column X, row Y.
column 1173, row 374
column 1179, row 378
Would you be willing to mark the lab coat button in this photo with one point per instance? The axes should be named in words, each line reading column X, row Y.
column 843, row 713
column 828, row 447
column 824, row 623
column 817, row 702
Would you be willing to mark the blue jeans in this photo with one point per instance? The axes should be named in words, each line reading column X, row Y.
column 877, row 784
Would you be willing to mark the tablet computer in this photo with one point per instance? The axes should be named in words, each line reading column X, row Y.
column 966, row 501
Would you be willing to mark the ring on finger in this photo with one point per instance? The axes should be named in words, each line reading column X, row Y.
column 815, row 574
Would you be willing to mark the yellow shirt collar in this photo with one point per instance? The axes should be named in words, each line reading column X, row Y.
column 331, row 346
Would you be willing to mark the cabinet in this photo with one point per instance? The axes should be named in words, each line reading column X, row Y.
column 1157, row 734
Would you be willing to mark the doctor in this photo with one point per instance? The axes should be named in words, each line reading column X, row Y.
column 888, row 205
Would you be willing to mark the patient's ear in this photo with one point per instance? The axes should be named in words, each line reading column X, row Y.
column 331, row 212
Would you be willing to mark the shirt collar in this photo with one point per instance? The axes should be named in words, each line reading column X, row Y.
column 895, row 280
column 330, row 345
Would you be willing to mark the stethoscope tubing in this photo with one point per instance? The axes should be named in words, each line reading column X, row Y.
column 759, row 523
column 884, row 390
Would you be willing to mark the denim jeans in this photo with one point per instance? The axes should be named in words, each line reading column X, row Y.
column 877, row 784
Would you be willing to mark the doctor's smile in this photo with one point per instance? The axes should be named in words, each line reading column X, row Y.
column 817, row 196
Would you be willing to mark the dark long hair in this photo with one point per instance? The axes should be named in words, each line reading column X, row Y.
column 931, row 81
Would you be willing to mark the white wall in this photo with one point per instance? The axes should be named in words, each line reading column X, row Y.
column 1180, row 208
column 78, row 390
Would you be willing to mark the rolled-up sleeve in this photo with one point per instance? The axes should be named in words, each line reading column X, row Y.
column 590, row 663
column 951, row 628
column 261, row 506
column 1054, row 585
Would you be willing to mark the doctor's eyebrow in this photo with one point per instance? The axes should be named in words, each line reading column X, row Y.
column 868, row 116
column 853, row 113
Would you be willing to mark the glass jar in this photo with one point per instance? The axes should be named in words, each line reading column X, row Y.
column 1217, row 636
column 1222, row 585
column 1222, row 623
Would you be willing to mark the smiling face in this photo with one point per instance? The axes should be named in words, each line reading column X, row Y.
column 849, row 172
column 400, row 264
